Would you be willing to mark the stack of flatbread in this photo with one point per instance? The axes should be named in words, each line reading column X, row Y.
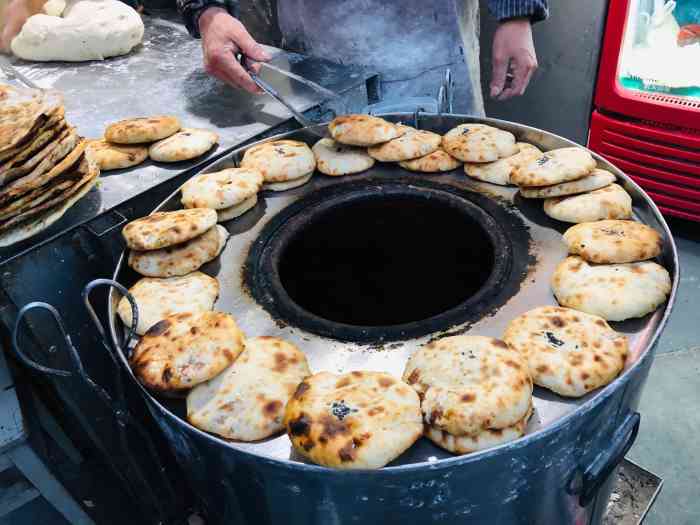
column 573, row 188
column 129, row 142
column 475, row 392
column 358, row 141
column 44, row 168
column 175, row 243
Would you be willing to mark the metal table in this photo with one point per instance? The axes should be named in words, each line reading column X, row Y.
column 165, row 75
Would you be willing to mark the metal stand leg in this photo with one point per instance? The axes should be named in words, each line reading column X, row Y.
column 31, row 466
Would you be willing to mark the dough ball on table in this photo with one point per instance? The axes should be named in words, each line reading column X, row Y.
column 614, row 241
column 469, row 384
column 359, row 420
column 117, row 156
column 437, row 162
column 231, row 192
column 596, row 180
column 142, row 129
column 500, row 171
column 568, row 352
column 614, row 292
column 88, row 30
column 284, row 164
column 186, row 144
column 363, row 130
column 336, row 159
column 163, row 229
column 611, row 202
column 479, row 143
column 182, row 258
column 554, row 167
column 156, row 299
column 246, row 401
column 184, row 350
column 412, row 144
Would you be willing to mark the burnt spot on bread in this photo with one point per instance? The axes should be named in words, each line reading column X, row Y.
column 513, row 364
column 558, row 321
column 167, row 375
column 280, row 362
column 158, row 329
column 386, row 382
column 301, row 390
column 300, row 426
column 331, row 426
column 542, row 369
column 271, row 408
column 468, row 398
column 414, row 377
column 499, row 344
column 434, row 416
column 348, row 452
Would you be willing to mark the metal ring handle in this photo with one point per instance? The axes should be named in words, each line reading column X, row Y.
column 599, row 471
column 72, row 352
column 89, row 287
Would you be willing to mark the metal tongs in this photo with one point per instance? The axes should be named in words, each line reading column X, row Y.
column 127, row 424
column 313, row 127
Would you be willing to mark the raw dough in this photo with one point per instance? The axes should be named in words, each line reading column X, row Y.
column 54, row 7
column 89, row 30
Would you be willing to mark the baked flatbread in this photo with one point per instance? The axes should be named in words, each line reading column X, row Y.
column 486, row 439
column 499, row 172
column 359, row 420
column 85, row 174
column 336, row 159
column 412, row 144
column 479, row 143
column 568, row 352
column 246, row 401
column 180, row 259
column 52, row 127
column 42, row 221
column 142, row 129
column 596, row 180
column 437, row 162
column 614, row 292
column 614, row 241
column 111, row 156
column 34, row 198
column 280, row 160
column 186, row 144
column 23, row 111
column 284, row 186
column 163, row 229
column 156, row 299
column 221, row 189
column 470, row 384
column 363, row 130
column 184, row 350
column 611, row 202
column 227, row 214
column 554, row 167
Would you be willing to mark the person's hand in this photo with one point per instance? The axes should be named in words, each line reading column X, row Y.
column 15, row 15
column 512, row 46
column 222, row 37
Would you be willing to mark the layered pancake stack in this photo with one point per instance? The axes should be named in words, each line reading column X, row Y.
column 44, row 168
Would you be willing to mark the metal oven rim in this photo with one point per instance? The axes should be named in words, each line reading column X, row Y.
column 588, row 406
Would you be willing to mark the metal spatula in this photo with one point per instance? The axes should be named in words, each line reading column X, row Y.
column 313, row 127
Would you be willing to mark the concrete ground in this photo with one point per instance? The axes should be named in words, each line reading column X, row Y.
column 670, row 407
column 667, row 444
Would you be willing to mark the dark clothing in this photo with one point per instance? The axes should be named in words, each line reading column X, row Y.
column 536, row 10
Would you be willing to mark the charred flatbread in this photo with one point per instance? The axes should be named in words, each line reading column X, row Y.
column 111, row 156
column 614, row 241
column 163, row 229
column 142, row 129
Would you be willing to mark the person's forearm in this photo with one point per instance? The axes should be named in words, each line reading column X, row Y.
column 191, row 10
column 535, row 10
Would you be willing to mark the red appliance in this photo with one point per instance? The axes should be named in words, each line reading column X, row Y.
column 646, row 118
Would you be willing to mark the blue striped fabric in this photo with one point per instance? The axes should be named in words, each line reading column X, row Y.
column 536, row 10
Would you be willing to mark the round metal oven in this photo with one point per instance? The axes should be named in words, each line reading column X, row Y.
column 414, row 257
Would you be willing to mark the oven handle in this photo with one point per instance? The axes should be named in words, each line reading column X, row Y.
column 599, row 471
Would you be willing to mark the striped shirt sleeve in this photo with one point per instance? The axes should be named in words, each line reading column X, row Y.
column 536, row 10
column 191, row 9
